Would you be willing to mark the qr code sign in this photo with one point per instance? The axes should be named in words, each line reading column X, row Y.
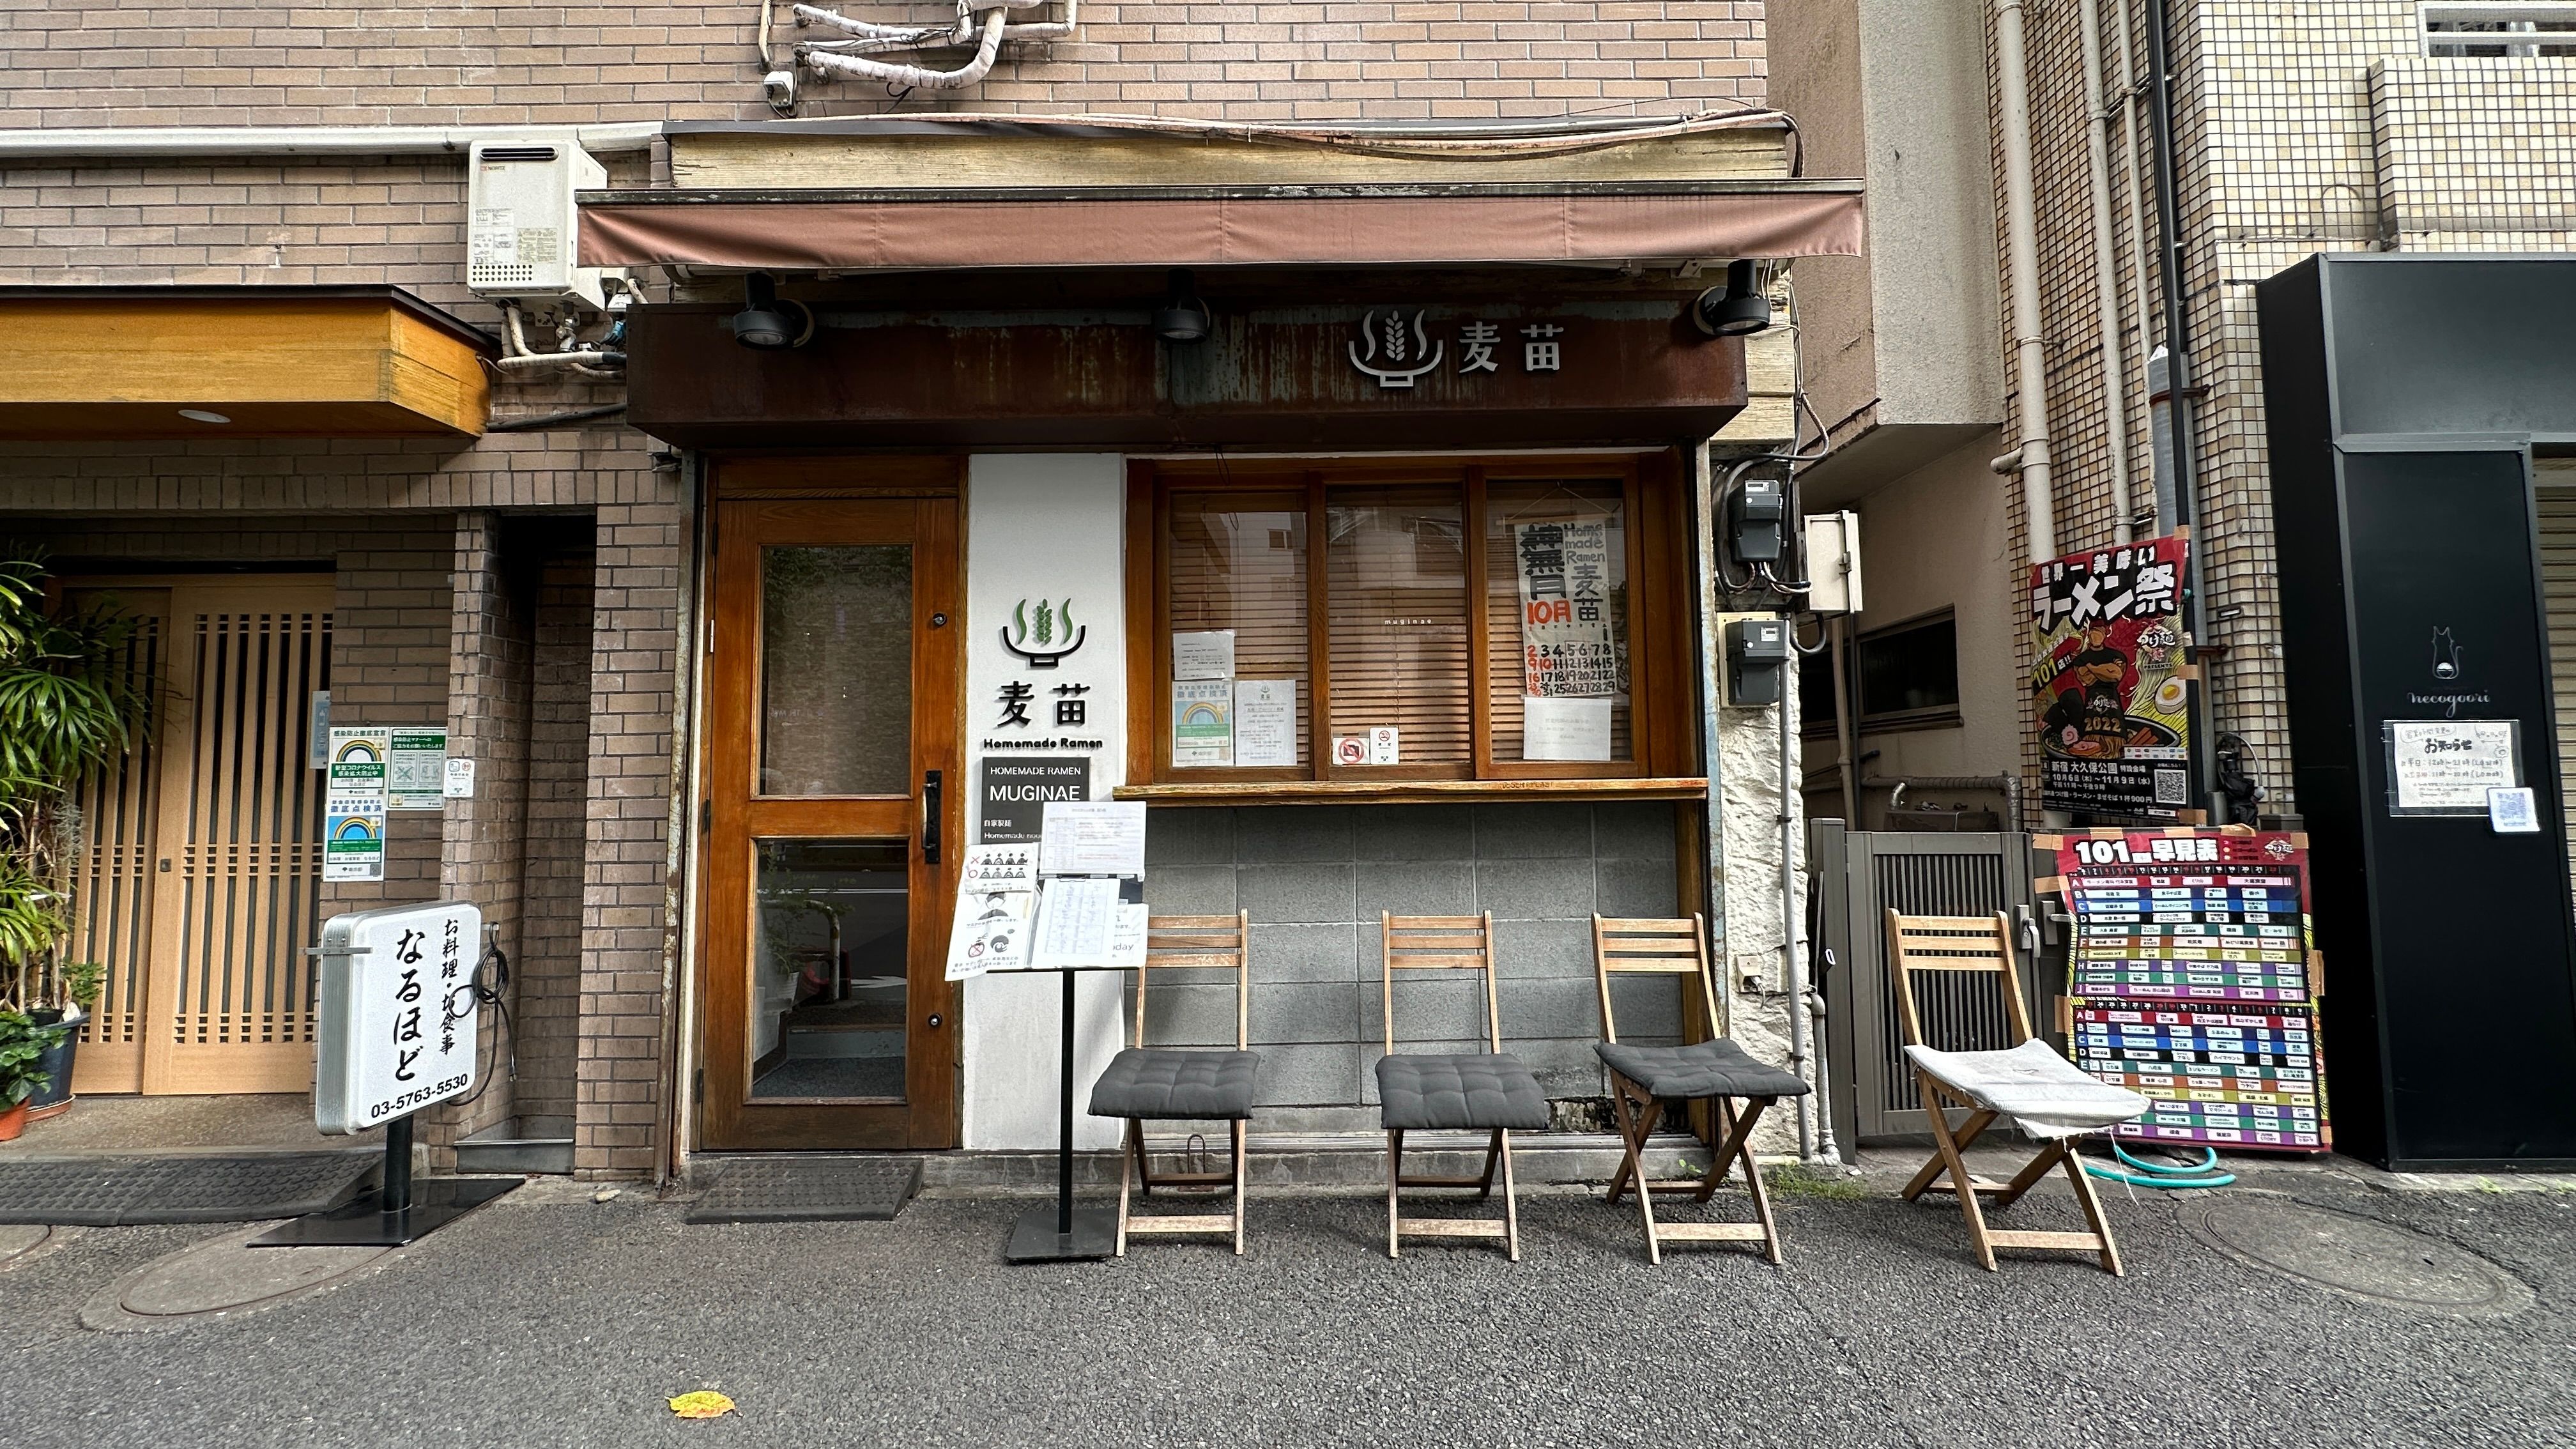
column 2173, row 787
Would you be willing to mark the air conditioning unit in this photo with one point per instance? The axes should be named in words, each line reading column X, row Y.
column 520, row 225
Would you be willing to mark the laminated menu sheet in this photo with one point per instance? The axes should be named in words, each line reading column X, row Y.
column 2192, row 980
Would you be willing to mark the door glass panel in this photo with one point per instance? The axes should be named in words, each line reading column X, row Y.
column 836, row 670
column 828, row 965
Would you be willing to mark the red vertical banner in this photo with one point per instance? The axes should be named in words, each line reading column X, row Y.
column 2109, row 688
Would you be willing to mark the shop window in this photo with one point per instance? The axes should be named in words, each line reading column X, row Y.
column 1908, row 675
column 1373, row 624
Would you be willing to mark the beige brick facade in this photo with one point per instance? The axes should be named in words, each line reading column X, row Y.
column 2308, row 126
column 530, row 589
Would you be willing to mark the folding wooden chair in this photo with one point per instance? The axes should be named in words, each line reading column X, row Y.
column 2029, row 1085
column 1480, row 1092
column 1184, row 1084
column 1642, row 1079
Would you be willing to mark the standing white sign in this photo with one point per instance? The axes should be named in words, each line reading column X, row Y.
column 396, row 1028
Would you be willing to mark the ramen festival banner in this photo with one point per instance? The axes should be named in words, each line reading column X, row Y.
column 2108, row 684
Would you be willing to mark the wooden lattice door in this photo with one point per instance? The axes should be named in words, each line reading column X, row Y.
column 200, row 876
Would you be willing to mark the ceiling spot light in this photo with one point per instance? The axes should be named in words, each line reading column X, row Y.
column 200, row 415
column 1737, row 309
column 1183, row 317
column 767, row 322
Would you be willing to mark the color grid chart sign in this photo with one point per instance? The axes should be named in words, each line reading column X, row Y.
column 2192, row 981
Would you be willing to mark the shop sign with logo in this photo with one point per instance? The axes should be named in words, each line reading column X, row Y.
column 1399, row 349
column 395, row 1029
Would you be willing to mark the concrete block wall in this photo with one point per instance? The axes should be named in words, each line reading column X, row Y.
column 1316, row 877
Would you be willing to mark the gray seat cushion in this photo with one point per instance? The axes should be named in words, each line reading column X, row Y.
column 1163, row 1084
column 1717, row 1068
column 1483, row 1091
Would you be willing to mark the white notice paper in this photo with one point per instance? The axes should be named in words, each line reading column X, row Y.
column 1127, row 945
column 1383, row 744
column 1203, row 654
column 1000, row 868
column 1092, row 837
column 2514, row 812
column 1077, row 923
column 2446, row 767
column 1265, row 722
column 1556, row 728
column 991, row 933
column 459, row 781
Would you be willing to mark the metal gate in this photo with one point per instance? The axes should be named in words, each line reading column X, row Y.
column 199, row 877
column 1860, row 877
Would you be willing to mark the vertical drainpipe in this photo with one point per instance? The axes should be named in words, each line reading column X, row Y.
column 2021, row 245
column 2139, row 200
column 684, row 858
column 2106, row 279
column 2185, row 407
column 1711, row 659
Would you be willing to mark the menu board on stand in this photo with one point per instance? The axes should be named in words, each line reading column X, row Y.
column 2193, row 980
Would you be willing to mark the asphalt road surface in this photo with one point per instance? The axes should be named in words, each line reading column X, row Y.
column 550, row 1319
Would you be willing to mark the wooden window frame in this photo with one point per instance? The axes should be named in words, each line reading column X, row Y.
column 1663, row 748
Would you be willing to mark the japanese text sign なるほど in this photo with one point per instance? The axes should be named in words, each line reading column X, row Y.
column 396, row 1027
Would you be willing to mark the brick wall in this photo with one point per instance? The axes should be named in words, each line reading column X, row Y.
column 548, row 974
column 539, row 61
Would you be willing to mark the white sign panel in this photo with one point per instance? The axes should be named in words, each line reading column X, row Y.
column 1564, row 729
column 1203, row 654
column 416, row 767
column 991, row 932
column 353, row 837
column 458, row 781
column 1265, row 722
column 396, row 1030
column 2447, row 766
column 1100, row 837
column 1077, row 924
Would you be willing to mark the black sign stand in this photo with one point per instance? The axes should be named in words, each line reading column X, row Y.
column 397, row 1212
column 1062, row 1233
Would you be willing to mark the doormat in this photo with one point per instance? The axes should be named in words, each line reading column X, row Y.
column 864, row 1189
column 108, row 1192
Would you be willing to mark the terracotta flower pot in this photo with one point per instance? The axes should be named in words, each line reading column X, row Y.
column 12, row 1122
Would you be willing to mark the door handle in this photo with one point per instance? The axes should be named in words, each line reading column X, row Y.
column 930, row 817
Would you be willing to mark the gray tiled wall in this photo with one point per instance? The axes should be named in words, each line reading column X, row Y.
column 1315, row 877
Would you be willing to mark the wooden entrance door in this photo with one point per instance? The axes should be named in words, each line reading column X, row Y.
column 832, row 826
column 198, row 877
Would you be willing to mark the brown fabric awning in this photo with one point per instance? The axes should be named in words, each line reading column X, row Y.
column 843, row 231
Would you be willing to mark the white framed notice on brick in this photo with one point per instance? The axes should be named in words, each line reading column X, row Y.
column 395, row 1032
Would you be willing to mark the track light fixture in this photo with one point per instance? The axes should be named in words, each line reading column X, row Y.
column 1738, row 309
column 1182, row 317
column 767, row 322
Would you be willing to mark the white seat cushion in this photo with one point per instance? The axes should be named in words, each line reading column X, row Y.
column 2039, row 1091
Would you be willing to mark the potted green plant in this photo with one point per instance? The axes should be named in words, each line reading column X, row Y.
column 76, row 984
column 23, row 1045
column 70, row 700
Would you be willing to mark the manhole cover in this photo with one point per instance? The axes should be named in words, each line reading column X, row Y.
column 2361, row 1257
column 222, row 1277
column 871, row 1188
column 17, row 1241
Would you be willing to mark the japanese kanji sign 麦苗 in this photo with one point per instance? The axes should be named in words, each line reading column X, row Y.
column 396, row 1029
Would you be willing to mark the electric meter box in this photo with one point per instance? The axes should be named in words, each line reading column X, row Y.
column 521, row 228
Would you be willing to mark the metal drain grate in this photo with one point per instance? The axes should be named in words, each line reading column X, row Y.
column 103, row 1192
column 870, row 1189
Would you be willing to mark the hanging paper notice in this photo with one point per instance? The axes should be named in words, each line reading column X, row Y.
column 1000, row 868
column 1127, row 943
column 1077, row 924
column 1265, row 722
column 353, row 837
column 1564, row 729
column 991, row 933
column 1569, row 648
column 416, row 768
column 2514, row 812
column 2447, row 766
column 1203, row 654
column 1092, row 837
column 1202, row 722
column 2108, row 685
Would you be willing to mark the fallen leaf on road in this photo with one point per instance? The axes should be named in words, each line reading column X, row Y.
column 701, row 1404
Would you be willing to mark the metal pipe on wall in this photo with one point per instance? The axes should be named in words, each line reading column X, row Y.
column 2106, row 283
column 1793, row 962
column 2140, row 198
column 2186, row 409
column 2021, row 245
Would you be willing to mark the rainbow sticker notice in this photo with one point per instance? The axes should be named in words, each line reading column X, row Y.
column 353, row 837
column 358, row 756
